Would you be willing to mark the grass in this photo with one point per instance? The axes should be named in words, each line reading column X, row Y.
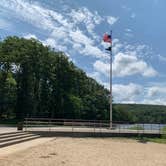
column 161, row 140
column 157, row 140
column 164, row 131
column 138, row 127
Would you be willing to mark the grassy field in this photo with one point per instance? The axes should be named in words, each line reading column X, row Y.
column 161, row 140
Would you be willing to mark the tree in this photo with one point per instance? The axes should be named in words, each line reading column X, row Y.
column 44, row 83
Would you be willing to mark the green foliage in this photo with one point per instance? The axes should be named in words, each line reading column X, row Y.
column 119, row 114
column 164, row 129
column 157, row 140
column 143, row 113
column 164, row 132
column 36, row 81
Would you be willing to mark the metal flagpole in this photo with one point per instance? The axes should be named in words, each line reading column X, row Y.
column 108, row 38
column 111, row 83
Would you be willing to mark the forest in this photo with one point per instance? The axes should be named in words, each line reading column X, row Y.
column 37, row 81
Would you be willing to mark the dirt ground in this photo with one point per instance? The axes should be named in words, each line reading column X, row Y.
column 89, row 152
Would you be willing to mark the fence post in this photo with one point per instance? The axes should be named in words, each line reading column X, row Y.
column 72, row 126
column 49, row 125
column 25, row 124
column 137, row 128
column 119, row 128
column 94, row 126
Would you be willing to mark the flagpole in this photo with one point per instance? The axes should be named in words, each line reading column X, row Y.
column 108, row 39
column 111, row 84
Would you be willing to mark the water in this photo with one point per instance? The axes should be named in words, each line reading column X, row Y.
column 143, row 126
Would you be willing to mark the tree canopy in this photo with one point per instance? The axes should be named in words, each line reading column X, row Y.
column 36, row 81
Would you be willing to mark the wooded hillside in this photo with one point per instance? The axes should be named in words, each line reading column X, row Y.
column 36, row 81
column 141, row 113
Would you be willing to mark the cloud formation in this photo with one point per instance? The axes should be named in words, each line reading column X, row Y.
column 125, row 65
column 63, row 29
column 156, row 91
column 128, row 64
column 30, row 36
column 126, row 93
column 112, row 20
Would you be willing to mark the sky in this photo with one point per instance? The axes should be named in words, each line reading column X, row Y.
column 76, row 27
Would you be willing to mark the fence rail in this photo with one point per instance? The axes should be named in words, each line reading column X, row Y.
column 77, row 125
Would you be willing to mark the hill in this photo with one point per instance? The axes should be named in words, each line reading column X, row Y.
column 142, row 113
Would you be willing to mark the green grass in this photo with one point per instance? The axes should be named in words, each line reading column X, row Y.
column 164, row 128
column 146, row 139
column 136, row 128
column 161, row 140
column 164, row 131
column 157, row 140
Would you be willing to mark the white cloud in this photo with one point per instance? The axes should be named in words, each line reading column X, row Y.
column 62, row 28
column 103, row 68
column 156, row 91
column 29, row 36
column 97, row 77
column 126, row 93
column 128, row 64
column 78, row 37
column 83, row 15
column 117, row 46
column 135, row 93
column 53, row 43
column 94, row 51
column 59, row 33
column 157, row 101
column 112, row 20
column 125, row 65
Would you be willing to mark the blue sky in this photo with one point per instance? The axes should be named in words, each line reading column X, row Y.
column 77, row 26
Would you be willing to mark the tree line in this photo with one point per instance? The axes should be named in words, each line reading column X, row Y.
column 142, row 113
column 36, row 81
